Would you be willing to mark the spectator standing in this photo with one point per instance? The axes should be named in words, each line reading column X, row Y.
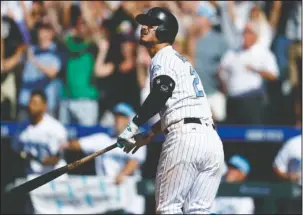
column 41, row 69
column 210, row 47
column 295, row 78
column 234, row 16
column 16, row 11
column 266, row 33
column 237, row 171
column 12, row 49
column 80, row 96
column 115, row 164
column 32, row 17
column 243, row 71
column 123, row 81
column 287, row 16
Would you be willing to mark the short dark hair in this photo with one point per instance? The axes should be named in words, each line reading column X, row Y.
column 41, row 93
column 44, row 25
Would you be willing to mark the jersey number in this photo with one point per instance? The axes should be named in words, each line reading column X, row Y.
column 196, row 82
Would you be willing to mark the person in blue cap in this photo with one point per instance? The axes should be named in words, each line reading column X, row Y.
column 236, row 171
column 115, row 163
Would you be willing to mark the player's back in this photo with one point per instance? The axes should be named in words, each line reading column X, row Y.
column 188, row 98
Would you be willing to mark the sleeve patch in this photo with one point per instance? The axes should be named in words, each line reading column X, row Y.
column 155, row 68
column 181, row 57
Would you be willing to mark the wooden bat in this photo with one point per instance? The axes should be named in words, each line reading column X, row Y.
column 45, row 178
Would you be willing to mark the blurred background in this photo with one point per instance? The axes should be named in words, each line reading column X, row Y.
column 73, row 73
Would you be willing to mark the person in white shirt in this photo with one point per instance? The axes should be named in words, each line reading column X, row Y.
column 234, row 15
column 237, row 170
column 266, row 31
column 288, row 162
column 40, row 137
column 115, row 163
column 38, row 141
column 242, row 72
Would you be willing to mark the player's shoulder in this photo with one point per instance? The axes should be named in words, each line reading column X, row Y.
column 170, row 58
column 263, row 51
column 294, row 142
column 54, row 123
column 230, row 54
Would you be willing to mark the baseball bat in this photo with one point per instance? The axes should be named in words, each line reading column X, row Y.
column 45, row 178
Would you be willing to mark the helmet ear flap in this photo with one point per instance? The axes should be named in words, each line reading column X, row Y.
column 162, row 34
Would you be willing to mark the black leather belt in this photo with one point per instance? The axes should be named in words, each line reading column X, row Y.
column 192, row 120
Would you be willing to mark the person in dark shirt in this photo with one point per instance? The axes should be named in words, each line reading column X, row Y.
column 12, row 48
column 123, row 82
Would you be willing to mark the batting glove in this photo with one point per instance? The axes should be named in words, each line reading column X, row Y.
column 126, row 138
column 142, row 139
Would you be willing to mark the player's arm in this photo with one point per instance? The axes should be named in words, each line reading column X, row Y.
column 72, row 145
column 285, row 175
column 163, row 87
column 162, row 90
column 129, row 168
column 56, row 152
column 51, row 160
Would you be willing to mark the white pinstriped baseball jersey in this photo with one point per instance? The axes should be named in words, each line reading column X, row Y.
column 188, row 98
column 41, row 140
column 192, row 158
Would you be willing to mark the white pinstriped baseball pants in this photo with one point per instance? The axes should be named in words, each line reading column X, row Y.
column 189, row 170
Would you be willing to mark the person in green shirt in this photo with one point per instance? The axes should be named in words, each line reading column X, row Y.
column 79, row 95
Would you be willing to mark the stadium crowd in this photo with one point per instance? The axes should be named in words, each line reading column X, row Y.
column 87, row 58
column 81, row 61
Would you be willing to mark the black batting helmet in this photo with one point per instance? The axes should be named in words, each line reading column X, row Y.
column 165, row 20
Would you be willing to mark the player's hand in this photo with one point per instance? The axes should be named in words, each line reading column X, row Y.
column 119, row 178
column 294, row 177
column 142, row 139
column 251, row 68
column 71, row 145
column 126, row 138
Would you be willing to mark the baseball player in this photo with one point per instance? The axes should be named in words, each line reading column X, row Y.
column 192, row 157
column 115, row 163
column 288, row 162
column 38, row 141
column 40, row 137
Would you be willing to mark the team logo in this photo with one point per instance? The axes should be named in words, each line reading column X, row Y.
column 155, row 68
column 164, row 88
